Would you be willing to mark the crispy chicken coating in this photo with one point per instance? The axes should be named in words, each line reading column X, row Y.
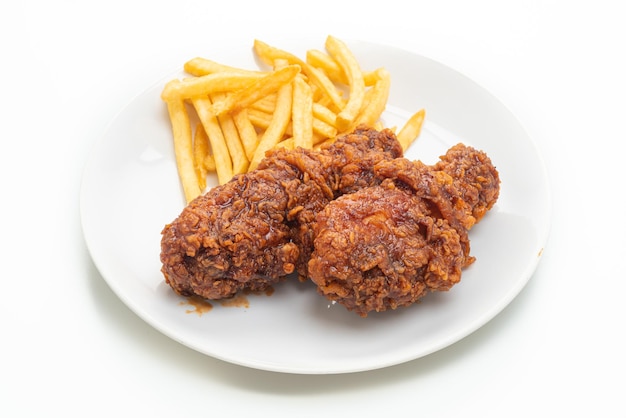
column 378, row 249
column 253, row 231
column 474, row 176
column 387, row 246
column 206, row 250
column 372, row 230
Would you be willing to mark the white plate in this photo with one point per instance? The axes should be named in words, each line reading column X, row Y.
column 130, row 190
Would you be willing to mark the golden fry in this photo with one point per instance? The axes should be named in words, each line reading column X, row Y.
column 321, row 128
column 262, row 87
column 259, row 119
column 267, row 104
column 209, row 163
column 317, row 138
column 208, row 84
column 411, row 129
column 269, row 54
column 262, row 121
column 233, row 142
column 302, row 114
column 375, row 99
column 223, row 161
column 324, row 114
column 244, row 113
column 278, row 125
column 181, row 130
column 247, row 133
column 329, row 66
column 286, row 143
column 328, row 89
column 202, row 66
column 350, row 66
column 200, row 152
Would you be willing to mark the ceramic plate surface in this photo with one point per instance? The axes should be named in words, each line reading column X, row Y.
column 130, row 190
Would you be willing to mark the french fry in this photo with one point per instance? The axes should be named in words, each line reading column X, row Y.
column 302, row 114
column 328, row 89
column 257, row 90
column 209, row 163
column 267, row 104
column 350, row 66
column 324, row 114
column 411, row 129
column 200, row 152
column 329, row 66
column 233, row 142
column 262, row 121
column 317, row 138
column 207, row 84
column 269, row 54
column 287, row 143
column 323, row 129
column 223, row 161
column 278, row 125
column 201, row 66
column 181, row 130
column 259, row 118
column 376, row 99
column 244, row 113
column 247, row 133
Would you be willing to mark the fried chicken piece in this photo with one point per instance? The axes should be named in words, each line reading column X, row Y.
column 387, row 246
column 377, row 249
column 474, row 176
column 253, row 231
column 232, row 238
column 342, row 167
column 460, row 188
column 354, row 157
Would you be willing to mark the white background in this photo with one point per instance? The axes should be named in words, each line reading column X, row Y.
column 69, row 345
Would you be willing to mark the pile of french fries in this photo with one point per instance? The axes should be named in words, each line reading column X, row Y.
column 244, row 113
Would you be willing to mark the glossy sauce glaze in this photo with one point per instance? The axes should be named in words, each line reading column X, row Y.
column 199, row 306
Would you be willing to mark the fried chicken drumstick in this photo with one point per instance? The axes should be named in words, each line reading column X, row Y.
column 388, row 245
column 253, row 231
